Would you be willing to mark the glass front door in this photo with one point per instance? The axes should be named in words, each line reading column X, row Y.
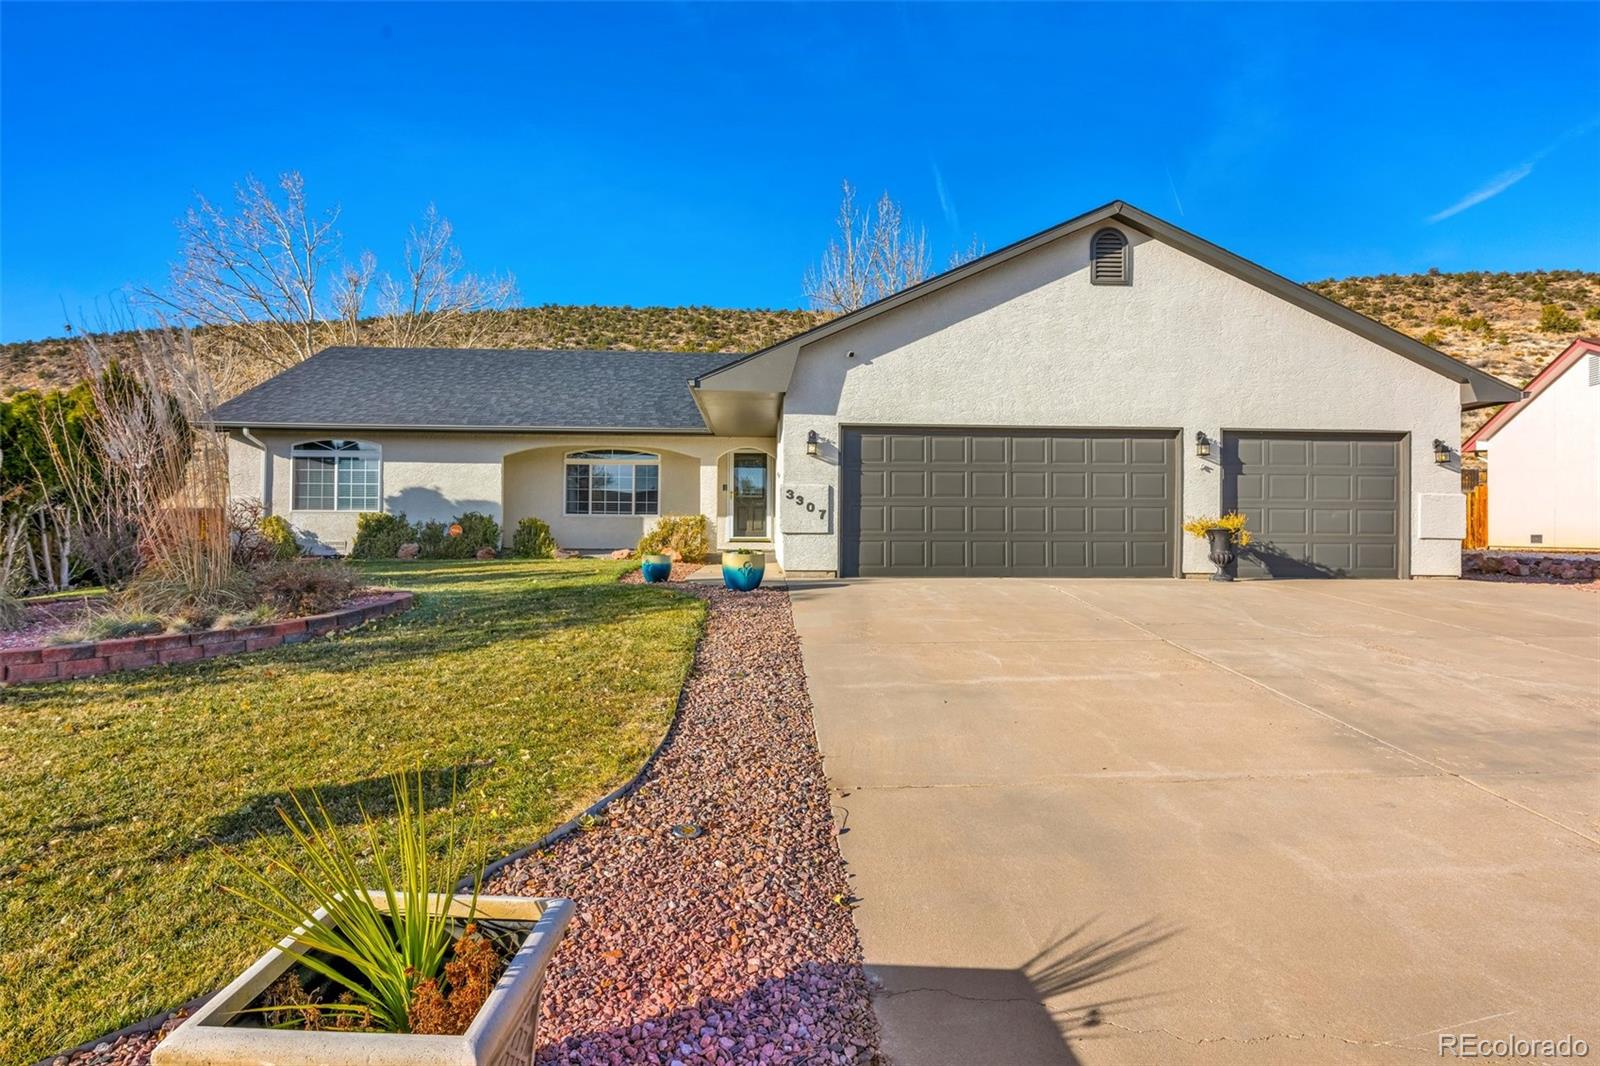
column 750, row 495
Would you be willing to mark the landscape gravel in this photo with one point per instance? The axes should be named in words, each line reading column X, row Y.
column 733, row 947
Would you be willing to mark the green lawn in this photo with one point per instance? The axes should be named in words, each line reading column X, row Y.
column 542, row 685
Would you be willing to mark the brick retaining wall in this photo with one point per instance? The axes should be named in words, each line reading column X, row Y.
column 60, row 662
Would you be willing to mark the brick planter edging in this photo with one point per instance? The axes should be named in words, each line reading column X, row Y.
column 62, row 662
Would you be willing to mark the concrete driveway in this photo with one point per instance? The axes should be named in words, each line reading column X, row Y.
column 1172, row 821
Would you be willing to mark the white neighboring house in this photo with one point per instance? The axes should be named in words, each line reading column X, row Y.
column 1055, row 408
column 1544, row 457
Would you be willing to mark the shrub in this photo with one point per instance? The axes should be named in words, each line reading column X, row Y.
column 247, row 535
column 169, row 594
column 435, row 542
column 477, row 531
column 379, row 535
column 1433, row 338
column 689, row 535
column 1554, row 320
column 280, row 537
column 11, row 610
column 533, row 540
column 262, row 613
column 305, row 586
column 111, row 626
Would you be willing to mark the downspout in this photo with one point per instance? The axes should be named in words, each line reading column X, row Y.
column 266, row 469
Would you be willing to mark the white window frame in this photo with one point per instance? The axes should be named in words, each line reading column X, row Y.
column 631, row 457
column 305, row 449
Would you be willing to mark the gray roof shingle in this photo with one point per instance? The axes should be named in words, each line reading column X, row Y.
column 479, row 388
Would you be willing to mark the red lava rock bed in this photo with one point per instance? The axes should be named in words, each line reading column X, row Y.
column 738, row 946
column 733, row 949
column 39, row 620
column 1576, row 569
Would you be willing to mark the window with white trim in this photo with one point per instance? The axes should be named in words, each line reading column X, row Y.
column 613, row 482
column 336, row 475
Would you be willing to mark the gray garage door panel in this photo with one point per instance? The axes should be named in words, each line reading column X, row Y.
column 942, row 502
column 1319, row 506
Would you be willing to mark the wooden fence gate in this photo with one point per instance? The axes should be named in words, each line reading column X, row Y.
column 1477, row 517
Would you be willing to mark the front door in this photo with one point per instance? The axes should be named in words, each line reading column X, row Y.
column 750, row 496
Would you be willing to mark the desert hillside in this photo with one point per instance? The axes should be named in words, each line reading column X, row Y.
column 1510, row 325
column 52, row 363
column 1507, row 324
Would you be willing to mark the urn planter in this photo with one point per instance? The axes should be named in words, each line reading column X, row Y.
column 743, row 570
column 656, row 568
column 504, row 1033
column 1222, row 553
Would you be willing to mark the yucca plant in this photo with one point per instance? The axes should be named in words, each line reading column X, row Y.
column 387, row 952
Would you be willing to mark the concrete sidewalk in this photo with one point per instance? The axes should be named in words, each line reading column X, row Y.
column 1171, row 821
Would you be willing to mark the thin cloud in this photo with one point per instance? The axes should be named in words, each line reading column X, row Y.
column 1174, row 187
column 945, row 205
column 1488, row 192
column 1504, row 181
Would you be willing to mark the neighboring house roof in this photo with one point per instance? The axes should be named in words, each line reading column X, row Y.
column 488, row 389
column 1542, row 380
column 1477, row 388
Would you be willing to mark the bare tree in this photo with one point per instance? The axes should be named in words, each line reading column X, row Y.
column 272, row 276
column 434, row 300
column 259, row 271
column 975, row 249
column 899, row 254
column 842, row 281
column 875, row 254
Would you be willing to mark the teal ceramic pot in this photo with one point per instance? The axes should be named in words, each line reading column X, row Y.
column 656, row 568
column 742, row 571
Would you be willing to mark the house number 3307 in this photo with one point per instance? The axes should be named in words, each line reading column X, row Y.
column 800, row 501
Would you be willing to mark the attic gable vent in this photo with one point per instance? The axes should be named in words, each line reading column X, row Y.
column 1594, row 368
column 1110, row 258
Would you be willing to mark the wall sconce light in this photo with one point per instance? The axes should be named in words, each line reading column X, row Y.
column 1202, row 444
column 1441, row 452
column 811, row 442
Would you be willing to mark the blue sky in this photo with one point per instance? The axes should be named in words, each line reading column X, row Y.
column 674, row 154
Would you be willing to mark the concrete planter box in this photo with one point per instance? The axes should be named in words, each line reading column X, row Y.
column 503, row 1033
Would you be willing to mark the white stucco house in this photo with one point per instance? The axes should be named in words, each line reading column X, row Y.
column 1544, row 457
column 1057, row 407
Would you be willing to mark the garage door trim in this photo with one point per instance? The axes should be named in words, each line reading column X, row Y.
column 1404, row 501
column 846, row 503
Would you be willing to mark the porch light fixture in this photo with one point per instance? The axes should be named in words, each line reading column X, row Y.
column 1441, row 452
column 1202, row 444
column 811, row 442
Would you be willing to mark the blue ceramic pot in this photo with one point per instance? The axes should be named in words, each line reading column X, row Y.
column 656, row 568
column 742, row 571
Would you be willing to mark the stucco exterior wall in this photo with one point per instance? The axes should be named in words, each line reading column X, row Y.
column 437, row 476
column 1544, row 468
column 1187, row 347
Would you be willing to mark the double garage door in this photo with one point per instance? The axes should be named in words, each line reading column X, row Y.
column 1065, row 503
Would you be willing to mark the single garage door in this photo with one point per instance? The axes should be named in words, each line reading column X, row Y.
column 1040, row 503
column 1319, row 505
